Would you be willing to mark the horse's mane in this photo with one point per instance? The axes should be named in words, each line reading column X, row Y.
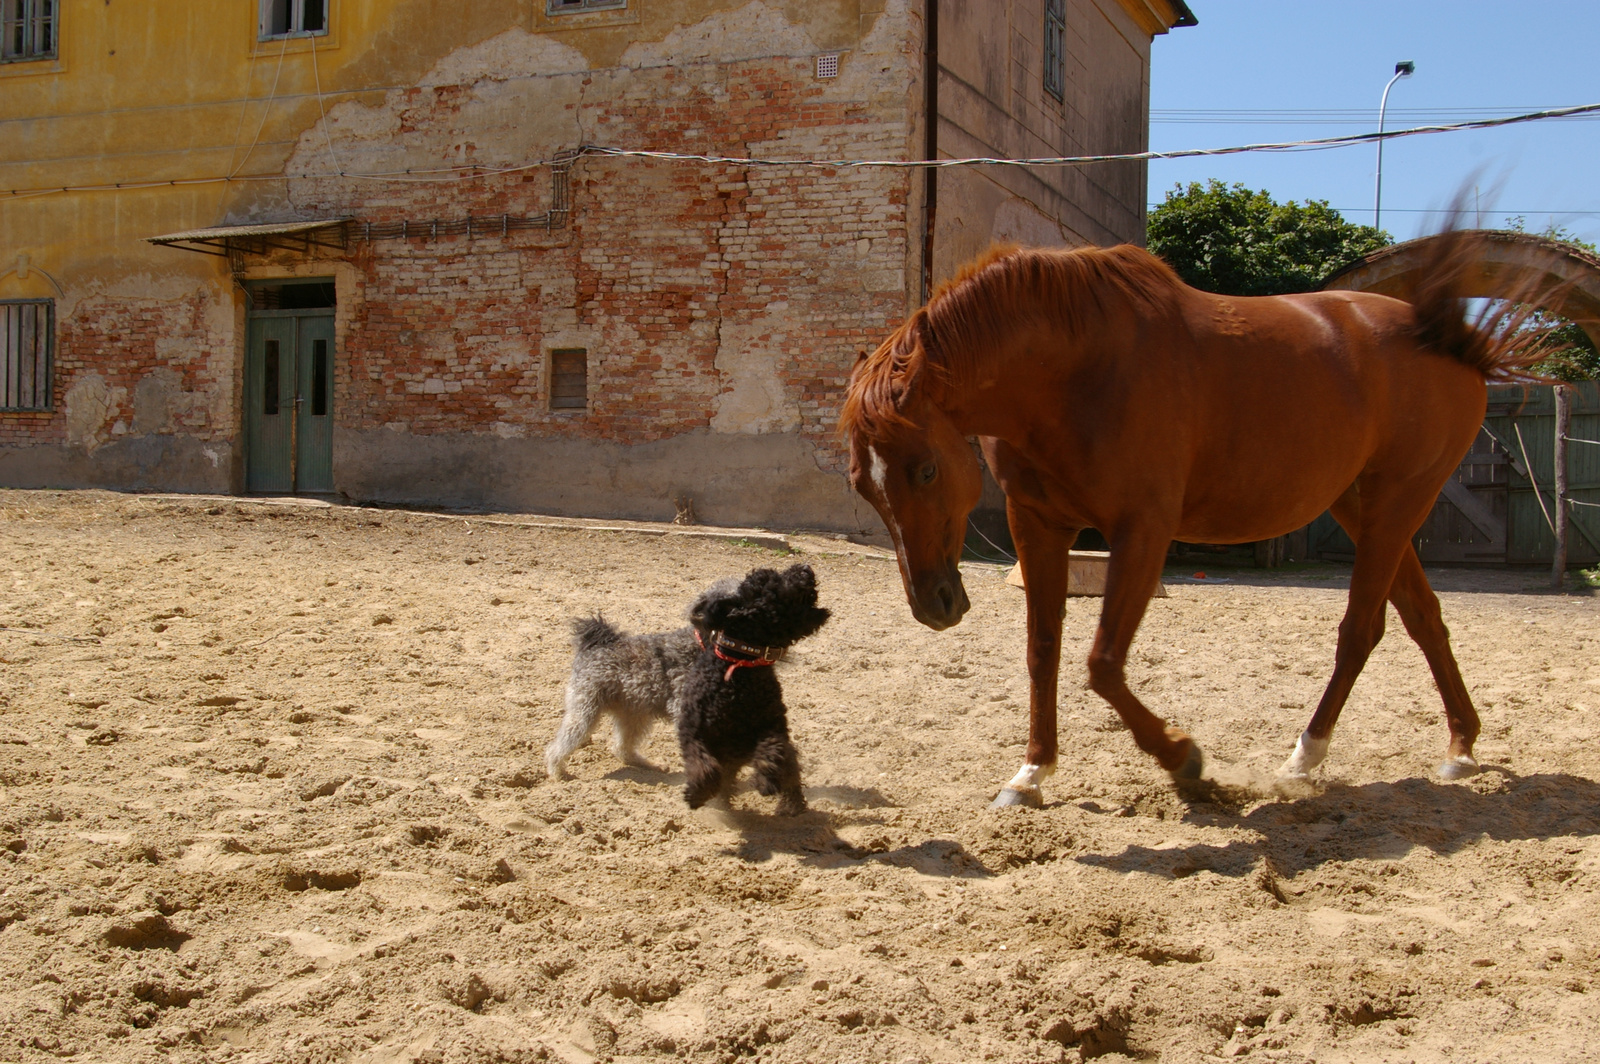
column 970, row 315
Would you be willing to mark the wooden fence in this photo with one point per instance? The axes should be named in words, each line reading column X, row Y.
column 1490, row 512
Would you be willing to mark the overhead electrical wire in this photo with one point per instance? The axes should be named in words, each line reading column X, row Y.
column 1228, row 116
column 480, row 171
column 1313, row 144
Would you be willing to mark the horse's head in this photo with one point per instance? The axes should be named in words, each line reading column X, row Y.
column 917, row 470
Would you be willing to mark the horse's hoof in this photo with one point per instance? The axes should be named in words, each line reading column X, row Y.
column 1027, row 797
column 1308, row 754
column 1459, row 768
column 1193, row 764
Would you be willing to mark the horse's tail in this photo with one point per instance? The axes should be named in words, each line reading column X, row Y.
column 1505, row 341
column 591, row 632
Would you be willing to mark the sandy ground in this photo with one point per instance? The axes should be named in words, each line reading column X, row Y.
column 270, row 790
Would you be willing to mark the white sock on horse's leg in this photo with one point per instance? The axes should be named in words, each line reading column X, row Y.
column 1024, row 787
column 1308, row 754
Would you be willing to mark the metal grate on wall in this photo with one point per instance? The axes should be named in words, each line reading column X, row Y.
column 827, row 66
column 569, row 378
column 27, row 328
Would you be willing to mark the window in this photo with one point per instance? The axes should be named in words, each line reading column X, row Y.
column 293, row 18
column 30, row 29
column 569, row 379
column 1055, row 48
column 562, row 7
column 272, row 379
column 319, row 378
column 27, row 328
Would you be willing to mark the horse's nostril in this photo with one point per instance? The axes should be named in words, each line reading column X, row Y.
column 947, row 598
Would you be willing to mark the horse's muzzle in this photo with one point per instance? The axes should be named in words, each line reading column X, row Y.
column 940, row 601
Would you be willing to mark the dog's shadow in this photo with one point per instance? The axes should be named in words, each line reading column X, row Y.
column 812, row 837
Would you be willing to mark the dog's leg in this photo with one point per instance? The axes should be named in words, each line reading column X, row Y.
column 629, row 732
column 583, row 707
column 702, row 773
column 777, row 771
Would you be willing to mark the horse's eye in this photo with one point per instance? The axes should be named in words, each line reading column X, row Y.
column 926, row 474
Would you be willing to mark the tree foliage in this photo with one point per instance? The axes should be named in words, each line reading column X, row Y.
column 1235, row 241
column 1572, row 354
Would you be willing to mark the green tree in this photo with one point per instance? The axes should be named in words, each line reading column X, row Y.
column 1572, row 354
column 1237, row 242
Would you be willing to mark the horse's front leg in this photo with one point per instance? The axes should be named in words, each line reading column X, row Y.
column 1131, row 578
column 1043, row 552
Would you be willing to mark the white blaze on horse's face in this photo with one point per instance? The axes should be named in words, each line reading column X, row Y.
column 879, row 473
column 923, row 482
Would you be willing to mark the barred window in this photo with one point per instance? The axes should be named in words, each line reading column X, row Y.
column 1055, row 48
column 293, row 18
column 30, row 29
column 27, row 331
column 561, row 7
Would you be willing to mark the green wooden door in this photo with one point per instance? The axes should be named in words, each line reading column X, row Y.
column 313, row 464
column 288, row 403
column 269, row 405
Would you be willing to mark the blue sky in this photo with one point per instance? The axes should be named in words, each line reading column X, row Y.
column 1474, row 58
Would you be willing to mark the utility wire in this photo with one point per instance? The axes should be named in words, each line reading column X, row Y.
column 1314, row 144
column 479, row 172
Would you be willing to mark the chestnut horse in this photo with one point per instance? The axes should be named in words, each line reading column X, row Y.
column 1108, row 394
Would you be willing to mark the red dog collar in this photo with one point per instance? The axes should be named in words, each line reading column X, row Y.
column 758, row 656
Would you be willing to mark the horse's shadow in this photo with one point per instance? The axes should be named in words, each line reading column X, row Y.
column 1376, row 821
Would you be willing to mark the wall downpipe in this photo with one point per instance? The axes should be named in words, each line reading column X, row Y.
column 930, row 137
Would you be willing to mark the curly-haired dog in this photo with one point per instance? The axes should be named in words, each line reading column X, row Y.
column 732, row 712
column 634, row 679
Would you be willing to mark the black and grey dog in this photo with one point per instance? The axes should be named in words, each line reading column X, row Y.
column 732, row 712
column 713, row 679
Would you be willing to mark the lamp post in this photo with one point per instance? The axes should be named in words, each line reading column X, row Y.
column 1401, row 70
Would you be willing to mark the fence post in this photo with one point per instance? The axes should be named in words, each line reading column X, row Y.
column 1558, row 570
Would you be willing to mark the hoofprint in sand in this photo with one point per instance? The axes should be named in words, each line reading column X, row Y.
column 271, row 790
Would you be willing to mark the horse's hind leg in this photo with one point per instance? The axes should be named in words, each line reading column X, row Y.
column 1418, row 607
column 1382, row 536
column 1131, row 578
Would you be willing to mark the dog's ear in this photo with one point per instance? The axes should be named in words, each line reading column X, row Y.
column 815, row 620
column 710, row 610
column 800, row 577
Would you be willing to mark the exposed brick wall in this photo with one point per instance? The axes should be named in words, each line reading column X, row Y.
column 661, row 263
column 662, row 268
column 158, row 363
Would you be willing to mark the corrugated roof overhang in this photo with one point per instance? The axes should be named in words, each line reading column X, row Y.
column 224, row 240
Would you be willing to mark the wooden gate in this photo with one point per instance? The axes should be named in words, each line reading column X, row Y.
column 1490, row 512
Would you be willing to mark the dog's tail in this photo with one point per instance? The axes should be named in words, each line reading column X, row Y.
column 591, row 632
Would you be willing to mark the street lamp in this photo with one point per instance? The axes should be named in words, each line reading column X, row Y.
column 1401, row 70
